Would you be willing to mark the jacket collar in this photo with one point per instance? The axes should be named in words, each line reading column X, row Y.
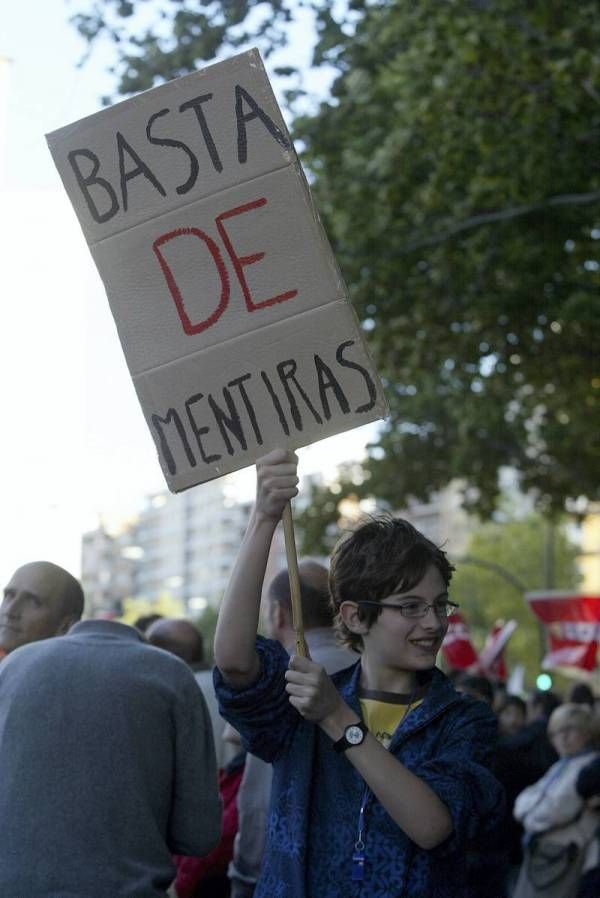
column 105, row 629
column 440, row 695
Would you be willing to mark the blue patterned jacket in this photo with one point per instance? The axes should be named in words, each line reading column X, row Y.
column 447, row 741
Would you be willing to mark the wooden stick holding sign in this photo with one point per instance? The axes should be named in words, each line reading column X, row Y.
column 292, row 563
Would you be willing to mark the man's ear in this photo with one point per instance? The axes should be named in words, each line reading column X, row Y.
column 66, row 624
column 283, row 618
column 276, row 616
column 349, row 613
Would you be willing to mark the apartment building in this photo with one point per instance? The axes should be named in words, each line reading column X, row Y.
column 181, row 545
column 184, row 545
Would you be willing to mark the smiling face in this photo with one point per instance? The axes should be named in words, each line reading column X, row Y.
column 33, row 606
column 396, row 644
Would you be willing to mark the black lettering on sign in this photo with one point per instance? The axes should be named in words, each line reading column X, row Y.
column 199, row 431
column 232, row 422
column 196, row 105
column 287, row 372
column 276, row 403
column 172, row 416
column 239, row 382
column 91, row 179
column 172, row 435
column 242, row 96
column 346, row 363
column 176, row 144
column 140, row 169
column 327, row 381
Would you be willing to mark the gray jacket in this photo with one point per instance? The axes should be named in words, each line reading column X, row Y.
column 108, row 767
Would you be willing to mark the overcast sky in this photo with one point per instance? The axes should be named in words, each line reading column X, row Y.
column 75, row 445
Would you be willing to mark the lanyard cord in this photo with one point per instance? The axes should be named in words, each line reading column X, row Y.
column 359, row 845
column 358, row 858
column 358, row 855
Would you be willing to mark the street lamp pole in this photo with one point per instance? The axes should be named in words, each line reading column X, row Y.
column 496, row 569
column 509, row 578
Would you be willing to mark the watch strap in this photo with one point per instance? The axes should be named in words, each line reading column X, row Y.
column 343, row 743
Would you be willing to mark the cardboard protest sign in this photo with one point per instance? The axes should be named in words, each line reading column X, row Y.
column 229, row 305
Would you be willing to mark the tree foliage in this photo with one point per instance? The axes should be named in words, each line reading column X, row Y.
column 456, row 167
column 324, row 514
column 516, row 552
column 207, row 625
column 157, row 40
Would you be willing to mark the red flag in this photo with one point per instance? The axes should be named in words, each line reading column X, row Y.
column 491, row 660
column 572, row 624
column 457, row 648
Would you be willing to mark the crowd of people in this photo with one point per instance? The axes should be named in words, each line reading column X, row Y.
column 547, row 758
column 133, row 770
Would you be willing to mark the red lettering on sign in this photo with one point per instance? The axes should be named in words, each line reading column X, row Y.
column 188, row 326
column 240, row 262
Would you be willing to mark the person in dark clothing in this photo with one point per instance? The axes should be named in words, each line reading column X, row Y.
column 520, row 761
column 488, row 857
column 527, row 755
column 512, row 716
column 145, row 621
column 581, row 694
column 588, row 787
column 477, row 686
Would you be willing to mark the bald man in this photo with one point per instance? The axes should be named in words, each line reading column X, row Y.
column 180, row 637
column 40, row 600
column 108, row 766
column 317, row 615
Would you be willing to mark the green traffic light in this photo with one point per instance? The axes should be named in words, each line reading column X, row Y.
column 544, row 682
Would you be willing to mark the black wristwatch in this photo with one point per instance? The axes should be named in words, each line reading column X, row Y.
column 353, row 735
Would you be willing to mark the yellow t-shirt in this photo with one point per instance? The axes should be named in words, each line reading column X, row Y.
column 383, row 712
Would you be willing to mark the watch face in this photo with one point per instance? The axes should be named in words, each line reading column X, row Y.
column 354, row 735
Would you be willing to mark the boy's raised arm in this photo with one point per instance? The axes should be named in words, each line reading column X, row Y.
column 235, row 655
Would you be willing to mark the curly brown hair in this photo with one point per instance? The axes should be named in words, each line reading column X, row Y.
column 383, row 555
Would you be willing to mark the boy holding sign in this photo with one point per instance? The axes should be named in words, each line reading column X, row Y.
column 379, row 772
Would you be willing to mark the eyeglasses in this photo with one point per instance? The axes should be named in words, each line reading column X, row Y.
column 414, row 610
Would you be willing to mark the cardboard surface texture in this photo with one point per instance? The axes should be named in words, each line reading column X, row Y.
column 227, row 298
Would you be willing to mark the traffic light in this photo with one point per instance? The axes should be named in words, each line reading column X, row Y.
column 544, row 682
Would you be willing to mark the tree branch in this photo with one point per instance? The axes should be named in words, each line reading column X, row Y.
column 590, row 89
column 566, row 199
